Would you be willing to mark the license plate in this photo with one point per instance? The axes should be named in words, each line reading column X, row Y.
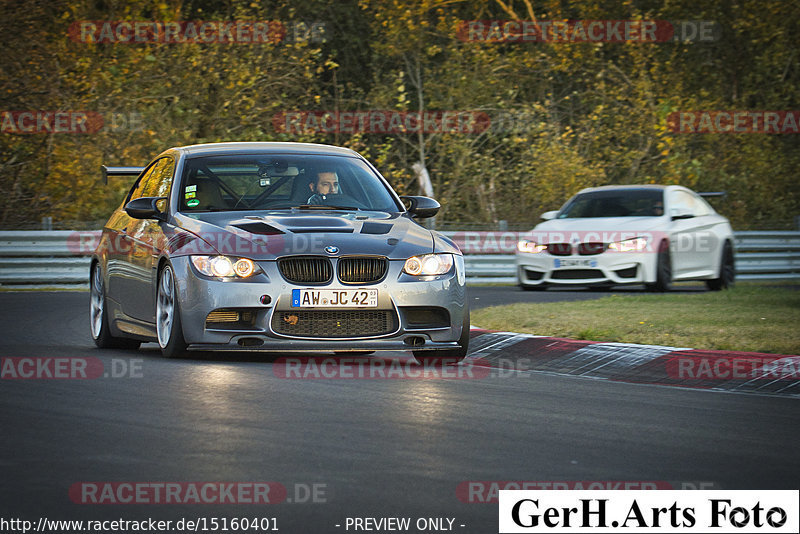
column 574, row 263
column 335, row 298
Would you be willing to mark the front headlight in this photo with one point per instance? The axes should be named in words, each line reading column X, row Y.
column 530, row 246
column 637, row 244
column 428, row 264
column 224, row 266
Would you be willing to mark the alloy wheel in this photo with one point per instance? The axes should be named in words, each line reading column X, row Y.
column 165, row 307
column 96, row 302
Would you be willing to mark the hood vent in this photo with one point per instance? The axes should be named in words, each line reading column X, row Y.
column 375, row 228
column 258, row 228
column 320, row 230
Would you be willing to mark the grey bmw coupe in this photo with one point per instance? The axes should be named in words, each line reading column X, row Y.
column 281, row 247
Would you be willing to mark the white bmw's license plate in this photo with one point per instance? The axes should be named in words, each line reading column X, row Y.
column 574, row 263
column 335, row 298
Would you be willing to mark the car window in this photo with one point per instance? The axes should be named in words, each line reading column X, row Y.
column 156, row 181
column 277, row 181
column 138, row 187
column 701, row 206
column 687, row 202
column 615, row 203
column 161, row 183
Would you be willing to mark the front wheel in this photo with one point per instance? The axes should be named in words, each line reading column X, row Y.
column 98, row 316
column 727, row 271
column 448, row 356
column 168, row 317
column 663, row 270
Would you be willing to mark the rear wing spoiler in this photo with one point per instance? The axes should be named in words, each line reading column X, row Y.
column 712, row 194
column 119, row 171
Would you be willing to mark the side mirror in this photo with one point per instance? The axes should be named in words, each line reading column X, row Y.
column 145, row 208
column 546, row 216
column 680, row 213
column 421, row 207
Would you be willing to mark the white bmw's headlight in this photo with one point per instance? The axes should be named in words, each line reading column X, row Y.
column 636, row 244
column 224, row 266
column 530, row 246
column 428, row 264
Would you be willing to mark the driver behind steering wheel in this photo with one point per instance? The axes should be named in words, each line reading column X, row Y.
column 327, row 183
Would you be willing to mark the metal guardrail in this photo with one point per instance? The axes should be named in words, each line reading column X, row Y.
column 62, row 257
column 767, row 255
column 759, row 255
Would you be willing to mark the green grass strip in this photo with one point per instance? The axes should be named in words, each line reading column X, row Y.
column 749, row 318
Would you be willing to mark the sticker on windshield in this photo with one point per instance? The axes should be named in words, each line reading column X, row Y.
column 190, row 188
column 191, row 194
column 192, row 202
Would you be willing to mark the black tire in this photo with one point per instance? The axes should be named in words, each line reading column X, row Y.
column 727, row 270
column 663, row 270
column 168, row 316
column 449, row 356
column 98, row 316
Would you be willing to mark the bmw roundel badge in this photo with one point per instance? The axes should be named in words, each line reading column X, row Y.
column 330, row 249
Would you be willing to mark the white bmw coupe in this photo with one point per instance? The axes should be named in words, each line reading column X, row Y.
column 634, row 234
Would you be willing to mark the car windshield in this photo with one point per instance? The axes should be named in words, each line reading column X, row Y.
column 615, row 203
column 282, row 181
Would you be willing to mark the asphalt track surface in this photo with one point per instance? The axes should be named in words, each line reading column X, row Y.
column 371, row 447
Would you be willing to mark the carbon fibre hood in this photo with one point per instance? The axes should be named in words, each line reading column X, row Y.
column 269, row 235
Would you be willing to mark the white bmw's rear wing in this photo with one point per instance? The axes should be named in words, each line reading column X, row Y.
column 119, row 171
column 712, row 194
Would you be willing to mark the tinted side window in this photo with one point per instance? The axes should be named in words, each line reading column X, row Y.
column 161, row 183
column 141, row 184
column 156, row 181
